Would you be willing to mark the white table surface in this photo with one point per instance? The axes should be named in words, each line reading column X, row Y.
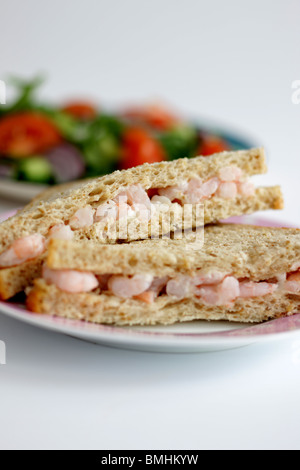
column 234, row 61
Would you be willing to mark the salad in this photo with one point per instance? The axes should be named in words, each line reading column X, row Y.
column 47, row 144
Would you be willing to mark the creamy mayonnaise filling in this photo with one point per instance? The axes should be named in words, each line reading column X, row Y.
column 214, row 288
column 133, row 203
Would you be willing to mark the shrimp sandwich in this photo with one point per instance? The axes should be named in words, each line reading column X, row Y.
column 136, row 204
column 241, row 273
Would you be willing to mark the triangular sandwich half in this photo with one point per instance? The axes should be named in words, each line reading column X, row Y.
column 241, row 273
column 146, row 201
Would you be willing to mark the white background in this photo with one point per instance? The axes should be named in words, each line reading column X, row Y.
column 232, row 62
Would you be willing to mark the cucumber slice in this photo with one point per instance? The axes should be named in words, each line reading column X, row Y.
column 34, row 169
column 180, row 142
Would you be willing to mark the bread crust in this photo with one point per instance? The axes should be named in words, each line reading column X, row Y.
column 16, row 279
column 258, row 253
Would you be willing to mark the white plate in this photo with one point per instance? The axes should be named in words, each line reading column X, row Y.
column 198, row 336
column 191, row 337
column 19, row 191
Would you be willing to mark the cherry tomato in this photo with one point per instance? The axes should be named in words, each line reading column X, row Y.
column 81, row 110
column 212, row 145
column 28, row 133
column 140, row 147
column 153, row 115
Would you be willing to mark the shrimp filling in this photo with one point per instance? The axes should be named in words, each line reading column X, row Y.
column 22, row 250
column 133, row 203
column 137, row 202
column 213, row 289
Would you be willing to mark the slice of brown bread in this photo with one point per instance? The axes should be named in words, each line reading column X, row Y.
column 53, row 191
column 108, row 309
column 258, row 253
column 57, row 207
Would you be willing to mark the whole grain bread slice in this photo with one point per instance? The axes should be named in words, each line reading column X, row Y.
column 107, row 309
column 16, row 279
column 244, row 251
